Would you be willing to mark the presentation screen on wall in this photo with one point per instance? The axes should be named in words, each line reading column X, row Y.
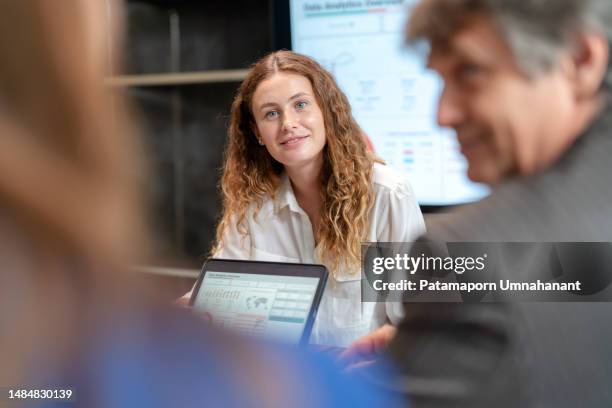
column 392, row 94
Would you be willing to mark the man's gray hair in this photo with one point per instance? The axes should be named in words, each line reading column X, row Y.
column 535, row 30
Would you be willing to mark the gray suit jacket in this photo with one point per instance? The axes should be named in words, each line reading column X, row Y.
column 520, row 354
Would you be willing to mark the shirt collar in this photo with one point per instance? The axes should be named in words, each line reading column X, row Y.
column 285, row 196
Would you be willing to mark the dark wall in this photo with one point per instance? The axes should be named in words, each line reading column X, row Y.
column 206, row 34
column 185, row 126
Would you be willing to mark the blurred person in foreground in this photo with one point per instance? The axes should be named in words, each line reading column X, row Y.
column 527, row 90
column 70, row 315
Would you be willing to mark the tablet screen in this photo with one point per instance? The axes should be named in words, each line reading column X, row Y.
column 271, row 306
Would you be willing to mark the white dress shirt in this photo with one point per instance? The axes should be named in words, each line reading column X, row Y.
column 282, row 232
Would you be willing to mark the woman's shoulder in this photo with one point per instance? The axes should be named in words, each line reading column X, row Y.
column 387, row 179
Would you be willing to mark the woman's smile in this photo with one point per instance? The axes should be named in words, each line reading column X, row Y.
column 294, row 141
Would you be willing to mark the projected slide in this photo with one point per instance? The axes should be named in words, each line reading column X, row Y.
column 392, row 95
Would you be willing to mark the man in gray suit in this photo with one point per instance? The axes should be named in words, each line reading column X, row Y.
column 527, row 89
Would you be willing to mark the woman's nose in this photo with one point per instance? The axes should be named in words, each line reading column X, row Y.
column 290, row 122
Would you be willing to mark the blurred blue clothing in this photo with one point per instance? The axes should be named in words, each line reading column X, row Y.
column 174, row 360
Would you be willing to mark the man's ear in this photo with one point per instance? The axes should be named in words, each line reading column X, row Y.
column 589, row 64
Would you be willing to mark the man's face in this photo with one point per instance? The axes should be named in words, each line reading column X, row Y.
column 506, row 123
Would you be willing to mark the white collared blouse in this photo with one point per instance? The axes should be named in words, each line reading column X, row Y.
column 282, row 232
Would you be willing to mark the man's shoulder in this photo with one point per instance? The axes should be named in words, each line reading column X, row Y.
column 546, row 209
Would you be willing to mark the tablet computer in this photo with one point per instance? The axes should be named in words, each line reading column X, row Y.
column 273, row 300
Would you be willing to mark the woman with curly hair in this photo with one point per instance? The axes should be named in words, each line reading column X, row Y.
column 299, row 185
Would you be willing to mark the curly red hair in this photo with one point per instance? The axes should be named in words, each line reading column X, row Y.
column 250, row 174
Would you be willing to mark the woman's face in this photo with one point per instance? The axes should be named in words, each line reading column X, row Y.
column 288, row 120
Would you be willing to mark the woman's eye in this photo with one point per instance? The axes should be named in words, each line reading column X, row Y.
column 271, row 114
column 301, row 105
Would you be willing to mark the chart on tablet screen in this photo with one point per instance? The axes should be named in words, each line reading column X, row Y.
column 261, row 305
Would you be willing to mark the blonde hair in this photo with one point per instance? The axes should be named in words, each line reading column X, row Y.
column 250, row 174
column 67, row 191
